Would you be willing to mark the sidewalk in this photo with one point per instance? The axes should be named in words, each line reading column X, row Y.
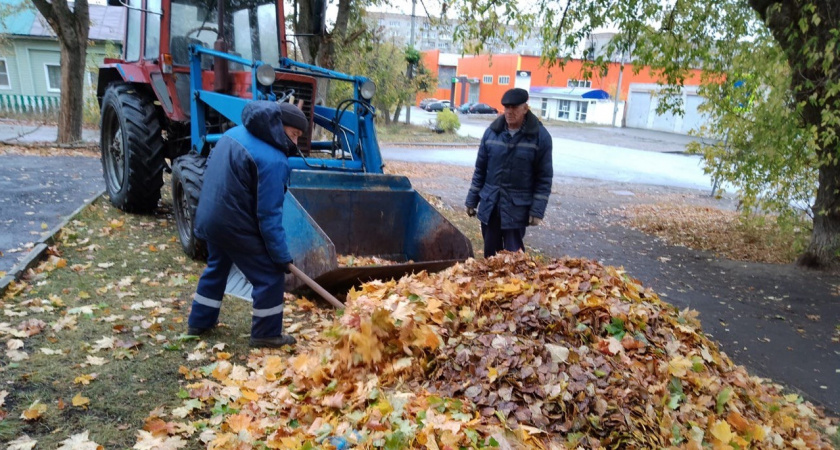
column 12, row 131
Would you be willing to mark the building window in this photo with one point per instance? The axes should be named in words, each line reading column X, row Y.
column 582, row 108
column 487, row 79
column 5, row 83
column 53, row 72
column 563, row 109
column 395, row 23
column 543, row 106
column 504, row 79
column 580, row 83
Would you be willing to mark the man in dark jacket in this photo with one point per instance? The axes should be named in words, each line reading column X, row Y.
column 240, row 217
column 512, row 178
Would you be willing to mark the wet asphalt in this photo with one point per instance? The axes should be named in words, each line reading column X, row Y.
column 36, row 194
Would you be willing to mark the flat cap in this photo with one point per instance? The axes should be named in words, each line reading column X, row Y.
column 515, row 97
column 293, row 116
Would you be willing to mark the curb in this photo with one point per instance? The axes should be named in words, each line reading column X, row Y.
column 41, row 246
column 429, row 144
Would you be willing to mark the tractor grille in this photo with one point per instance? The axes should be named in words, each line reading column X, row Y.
column 304, row 88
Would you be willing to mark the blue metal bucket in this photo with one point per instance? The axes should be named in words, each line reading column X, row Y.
column 327, row 214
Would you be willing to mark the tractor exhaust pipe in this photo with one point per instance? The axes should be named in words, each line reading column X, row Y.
column 221, row 72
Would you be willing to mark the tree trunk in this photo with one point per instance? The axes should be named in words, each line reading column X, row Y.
column 815, row 77
column 319, row 49
column 71, row 106
column 71, row 27
column 824, row 248
column 397, row 112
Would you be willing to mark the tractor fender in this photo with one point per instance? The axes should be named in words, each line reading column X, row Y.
column 110, row 73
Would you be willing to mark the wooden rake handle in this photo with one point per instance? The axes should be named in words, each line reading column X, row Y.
column 316, row 287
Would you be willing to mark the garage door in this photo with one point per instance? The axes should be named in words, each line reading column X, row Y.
column 693, row 119
column 638, row 110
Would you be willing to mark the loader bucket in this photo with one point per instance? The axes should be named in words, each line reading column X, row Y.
column 367, row 215
column 327, row 214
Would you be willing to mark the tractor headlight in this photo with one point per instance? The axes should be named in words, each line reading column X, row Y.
column 265, row 75
column 367, row 90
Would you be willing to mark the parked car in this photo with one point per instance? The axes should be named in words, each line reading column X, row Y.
column 439, row 106
column 483, row 108
column 465, row 108
column 425, row 102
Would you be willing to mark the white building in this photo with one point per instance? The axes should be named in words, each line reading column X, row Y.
column 642, row 100
column 574, row 104
column 430, row 35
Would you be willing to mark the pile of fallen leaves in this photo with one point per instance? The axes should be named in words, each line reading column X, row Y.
column 500, row 352
column 363, row 261
column 727, row 233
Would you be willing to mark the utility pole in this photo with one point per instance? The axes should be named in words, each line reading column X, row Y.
column 618, row 90
column 410, row 65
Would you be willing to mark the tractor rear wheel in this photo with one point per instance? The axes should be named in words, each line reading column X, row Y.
column 132, row 148
column 187, row 178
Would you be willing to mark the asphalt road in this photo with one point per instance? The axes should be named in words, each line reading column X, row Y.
column 36, row 193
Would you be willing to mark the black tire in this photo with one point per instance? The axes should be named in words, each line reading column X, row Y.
column 132, row 149
column 187, row 178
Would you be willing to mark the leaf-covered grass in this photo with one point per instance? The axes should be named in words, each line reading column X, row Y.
column 112, row 302
column 401, row 133
column 726, row 233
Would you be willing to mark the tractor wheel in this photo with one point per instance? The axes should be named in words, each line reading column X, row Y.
column 187, row 178
column 132, row 149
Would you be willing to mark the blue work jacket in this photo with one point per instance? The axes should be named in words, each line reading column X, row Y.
column 512, row 173
column 241, row 202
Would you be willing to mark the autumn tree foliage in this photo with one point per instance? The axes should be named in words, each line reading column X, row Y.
column 71, row 23
column 771, row 80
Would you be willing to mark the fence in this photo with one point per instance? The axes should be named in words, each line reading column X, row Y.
column 28, row 104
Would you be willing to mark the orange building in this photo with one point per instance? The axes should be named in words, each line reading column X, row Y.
column 484, row 78
column 443, row 68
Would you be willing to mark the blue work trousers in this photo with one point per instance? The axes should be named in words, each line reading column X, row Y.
column 269, row 282
column 496, row 239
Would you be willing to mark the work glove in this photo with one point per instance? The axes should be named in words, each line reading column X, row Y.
column 470, row 211
column 286, row 267
column 534, row 221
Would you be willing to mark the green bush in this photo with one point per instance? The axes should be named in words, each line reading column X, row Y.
column 448, row 121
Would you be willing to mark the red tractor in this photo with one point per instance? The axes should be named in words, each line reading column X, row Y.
column 188, row 69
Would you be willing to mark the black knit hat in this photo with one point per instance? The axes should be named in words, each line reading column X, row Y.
column 294, row 117
column 515, row 97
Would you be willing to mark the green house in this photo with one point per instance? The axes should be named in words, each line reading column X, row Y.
column 30, row 58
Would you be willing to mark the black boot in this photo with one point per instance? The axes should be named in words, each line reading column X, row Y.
column 272, row 342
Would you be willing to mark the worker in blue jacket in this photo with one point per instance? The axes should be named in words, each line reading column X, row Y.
column 512, row 178
column 240, row 217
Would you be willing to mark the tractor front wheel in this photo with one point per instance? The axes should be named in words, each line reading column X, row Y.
column 187, row 178
column 131, row 148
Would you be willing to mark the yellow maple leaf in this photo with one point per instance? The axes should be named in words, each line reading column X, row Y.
column 117, row 223
column 61, row 263
column 721, row 431
column 250, row 395
column 285, row 442
column 84, row 379
column 222, row 370
column 152, row 248
column 678, row 366
column 272, row 366
column 492, row 374
column 433, row 305
column 80, row 401
column 239, row 422
column 35, row 410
